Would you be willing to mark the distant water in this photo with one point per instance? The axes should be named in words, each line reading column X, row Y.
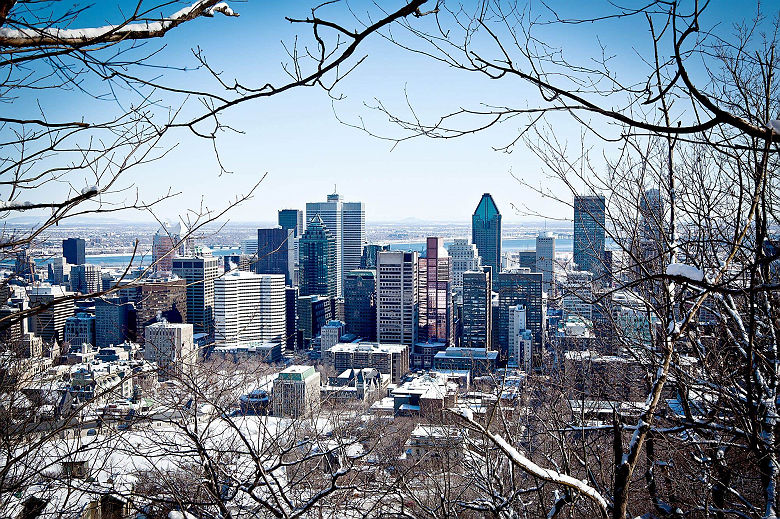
column 121, row 260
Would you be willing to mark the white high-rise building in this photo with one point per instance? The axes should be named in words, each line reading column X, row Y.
column 464, row 258
column 520, row 337
column 249, row 307
column 396, row 301
column 171, row 346
column 346, row 221
column 545, row 261
column 578, row 294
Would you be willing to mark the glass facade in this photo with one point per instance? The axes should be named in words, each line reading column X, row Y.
column 589, row 225
column 486, row 232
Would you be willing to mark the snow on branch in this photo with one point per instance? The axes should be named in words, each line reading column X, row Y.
column 685, row 271
column 49, row 36
column 519, row 459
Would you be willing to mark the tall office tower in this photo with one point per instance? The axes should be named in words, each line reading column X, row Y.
column 319, row 271
column 353, row 237
column 272, row 252
column 79, row 329
column 296, row 391
column 164, row 245
column 291, row 317
column 331, row 218
column 171, row 346
column 578, row 294
column 486, row 232
column 651, row 211
column 545, row 261
column 477, row 316
column 396, row 296
column 313, row 312
column 370, row 250
column 114, row 321
column 155, row 298
column 24, row 266
column 292, row 219
column 589, row 226
column 520, row 338
column 86, row 278
column 519, row 288
column 74, row 251
column 346, row 221
column 434, row 293
column 12, row 328
column 360, row 303
column 464, row 258
column 249, row 307
column 49, row 323
column 59, row 269
column 199, row 272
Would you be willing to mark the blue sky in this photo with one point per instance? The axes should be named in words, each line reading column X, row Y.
column 296, row 139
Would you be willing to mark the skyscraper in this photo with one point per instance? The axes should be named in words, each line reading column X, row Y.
column 49, row 323
column 578, row 294
column 199, row 272
column 368, row 260
column 434, row 292
column 545, row 261
column 249, row 307
column 157, row 297
column 465, row 258
column 74, row 250
column 477, row 316
column 360, row 303
column 519, row 288
column 346, row 221
column 164, row 246
column 272, row 252
column 353, row 237
column 292, row 219
column 589, row 225
column 114, row 321
column 486, row 232
column 318, row 275
column 86, row 278
column 397, row 303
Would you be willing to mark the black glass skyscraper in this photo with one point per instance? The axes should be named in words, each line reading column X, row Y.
column 272, row 252
column 360, row 303
column 292, row 219
column 74, row 250
column 318, row 260
column 519, row 288
column 589, row 223
column 486, row 232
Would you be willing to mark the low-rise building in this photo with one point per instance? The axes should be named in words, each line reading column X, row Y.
column 270, row 352
column 388, row 359
column 478, row 361
column 424, row 394
column 296, row 392
column 355, row 385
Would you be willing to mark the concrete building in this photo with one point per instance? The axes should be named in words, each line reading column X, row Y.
column 520, row 339
column 249, row 307
column 545, row 261
column 270, row 352
column 59, row 271
column 464, row 258
column 360, row 303
column 477, row 361
column 86, row 278
column 296, row 392
column 578, row 294
column 330, row 335
column 389, row 359
column 159, row 296
column 164, row 246
column 171, row 346
column 354, row 385
column 49, row 323
column 477, row 313
column 199, row 272
column 486, row 232
column 397, row 297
